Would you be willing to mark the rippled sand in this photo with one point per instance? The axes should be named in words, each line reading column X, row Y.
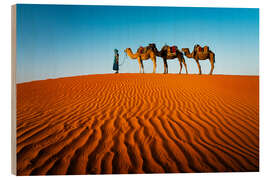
column 138, row 123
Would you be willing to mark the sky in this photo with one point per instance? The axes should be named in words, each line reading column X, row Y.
column 66, row 40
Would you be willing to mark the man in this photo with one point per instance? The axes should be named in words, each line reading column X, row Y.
column 116, row 61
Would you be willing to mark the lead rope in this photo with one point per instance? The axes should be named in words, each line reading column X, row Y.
column 123, row 61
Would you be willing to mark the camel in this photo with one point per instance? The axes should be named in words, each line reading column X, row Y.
column 199, row 54
column 166, row 55
column 143, row 53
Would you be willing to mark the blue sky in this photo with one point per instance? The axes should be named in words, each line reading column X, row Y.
column 63, row 40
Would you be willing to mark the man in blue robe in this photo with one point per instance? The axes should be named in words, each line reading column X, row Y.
column 116, row 61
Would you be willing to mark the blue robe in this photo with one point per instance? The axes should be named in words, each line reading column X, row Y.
column 115, row 64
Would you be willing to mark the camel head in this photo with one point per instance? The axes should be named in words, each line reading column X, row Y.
column 152, row 45
column 185, row 50
column 164, row 48
column 127, row 50
column 187, row 53
column 154, row 48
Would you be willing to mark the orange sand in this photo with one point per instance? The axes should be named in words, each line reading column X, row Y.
column 138, row 123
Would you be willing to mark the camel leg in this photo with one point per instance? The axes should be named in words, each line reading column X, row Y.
column 165, row 67
column 185, row 65
column 154, row 64
column 212, row 64
column 199, row 66
column 180, row 63
column 140, row 64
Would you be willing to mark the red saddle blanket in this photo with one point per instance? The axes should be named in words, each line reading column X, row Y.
column 141, row 49
column 173, row 49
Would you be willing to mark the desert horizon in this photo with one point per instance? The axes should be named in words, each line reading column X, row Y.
column 111, row 73
column 138, row 123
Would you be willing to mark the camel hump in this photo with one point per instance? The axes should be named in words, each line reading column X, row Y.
column 206, row 49
column 200, row 49
column 141, row 49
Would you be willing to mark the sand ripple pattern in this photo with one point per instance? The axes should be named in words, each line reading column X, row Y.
column 138, row 123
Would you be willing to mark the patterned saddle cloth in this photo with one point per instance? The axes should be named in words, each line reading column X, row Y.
column 172, row 50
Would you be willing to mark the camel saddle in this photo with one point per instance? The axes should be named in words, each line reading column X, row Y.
column 205, row 49
column 142, row 50
column 172, row 50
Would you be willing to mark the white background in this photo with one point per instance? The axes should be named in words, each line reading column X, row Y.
column 5, row 86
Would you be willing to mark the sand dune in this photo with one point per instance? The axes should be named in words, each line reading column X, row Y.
column 138, row 123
